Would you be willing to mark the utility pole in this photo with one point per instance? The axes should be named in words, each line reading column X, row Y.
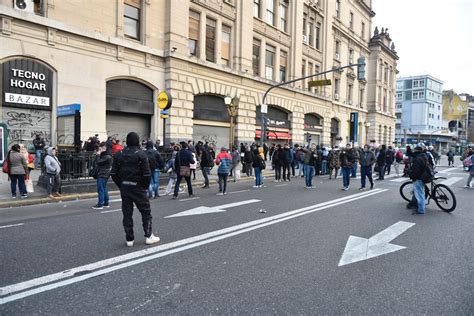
column 360, row 76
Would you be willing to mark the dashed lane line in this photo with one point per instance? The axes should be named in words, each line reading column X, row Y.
column 13, row 225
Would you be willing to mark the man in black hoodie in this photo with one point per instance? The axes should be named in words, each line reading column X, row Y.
column 131, row 173
column 184, row 159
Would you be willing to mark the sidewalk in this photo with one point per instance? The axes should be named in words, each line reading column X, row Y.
column 40, row 195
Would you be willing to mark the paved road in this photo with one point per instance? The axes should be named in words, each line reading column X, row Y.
column 66, row 258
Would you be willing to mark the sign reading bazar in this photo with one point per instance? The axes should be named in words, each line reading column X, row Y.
column 27, row 84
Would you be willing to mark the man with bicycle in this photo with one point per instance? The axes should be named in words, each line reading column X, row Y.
column 421, row 173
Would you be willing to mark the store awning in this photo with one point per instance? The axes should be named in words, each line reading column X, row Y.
column 274, row 135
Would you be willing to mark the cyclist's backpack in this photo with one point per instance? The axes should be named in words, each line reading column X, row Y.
column 467, row 162
column 399, row 156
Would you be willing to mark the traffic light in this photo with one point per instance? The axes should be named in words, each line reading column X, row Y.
column 361, row 68
column 308, row 137
column 265, row 122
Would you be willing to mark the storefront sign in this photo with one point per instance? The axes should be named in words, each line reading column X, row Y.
column 164, row 100
column 27, row 84
column 68, row 110
column 354, row 123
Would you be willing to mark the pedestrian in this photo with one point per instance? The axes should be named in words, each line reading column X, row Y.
column 334, row 162
column 324, row 162
column 156, row 164
column 300, row 160
column 310, row 157
column 356, row 154
column 182, row 165
column 103, row 161
column 259, row 165
column 398, row 160
column 53, row 171
column 450, row 155
column 171, row 170
column 347, row 160
column 286, row 162
column 265, row 151
column 381, row 157
column 366, row 160
column 469, row 162
column 17, row 170
column 131, row 173
column 39, row 144
column 193, row 166
column 234, row 171
column 294, row 163
column 224, row 161
column 248, row 160
column 205, row 163
column 389, row 158
column 421, row 173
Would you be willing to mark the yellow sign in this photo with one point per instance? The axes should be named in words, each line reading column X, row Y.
column 164, row 100
column 164, row 116
column 319, row 83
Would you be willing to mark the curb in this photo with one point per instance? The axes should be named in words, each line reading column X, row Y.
column 73, row 197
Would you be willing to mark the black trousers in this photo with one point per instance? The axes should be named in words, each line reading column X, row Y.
column 178, row 181
column 286, row 172
column 139, row 196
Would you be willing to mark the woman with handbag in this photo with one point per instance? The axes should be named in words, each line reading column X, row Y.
column 17, row 170
column 184, row 159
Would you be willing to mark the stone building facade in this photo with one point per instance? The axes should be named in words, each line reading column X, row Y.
column 112, row 58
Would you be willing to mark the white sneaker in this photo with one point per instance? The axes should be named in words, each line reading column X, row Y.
column 130, row 243
column 152, row 239
column 255, row 186
column 220, row 193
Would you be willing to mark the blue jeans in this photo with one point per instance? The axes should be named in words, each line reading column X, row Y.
column 154, row 183
column 300, row 169
column 258, row 176
column 324, row 167
column 419, row 192
column 346, row 176
column 20, row 179
column 102, row 191
column 354, row 170
column 365, row 171
column 38, row 152
column 308, row 175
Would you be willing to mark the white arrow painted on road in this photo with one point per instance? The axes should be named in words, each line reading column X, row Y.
column 358, row 249
column 214, row 209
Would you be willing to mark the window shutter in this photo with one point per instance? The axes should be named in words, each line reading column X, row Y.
column 133, row 3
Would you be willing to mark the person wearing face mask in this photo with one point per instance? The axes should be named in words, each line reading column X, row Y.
column 366, row 160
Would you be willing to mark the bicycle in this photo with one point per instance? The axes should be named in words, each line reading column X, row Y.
column 440, row 193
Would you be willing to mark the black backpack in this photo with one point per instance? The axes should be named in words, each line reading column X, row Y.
column 152, row 159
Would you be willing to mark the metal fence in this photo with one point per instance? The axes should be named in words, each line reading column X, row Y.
column 76, row 166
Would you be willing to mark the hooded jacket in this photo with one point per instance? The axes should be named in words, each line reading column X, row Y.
column 51, row 163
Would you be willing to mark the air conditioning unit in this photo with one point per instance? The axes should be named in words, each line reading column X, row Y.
column 337, row 56
column 24, row 5
column 336, row 97
column 305, row 39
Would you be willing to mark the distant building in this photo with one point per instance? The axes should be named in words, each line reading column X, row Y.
column 456, row 114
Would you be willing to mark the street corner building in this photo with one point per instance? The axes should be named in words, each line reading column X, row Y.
column 72, row 69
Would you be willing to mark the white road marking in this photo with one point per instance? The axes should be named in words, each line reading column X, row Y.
column 189, row 199
column 214, row 209
column 451, row 181
column 134, row 258
column 111, row 211
column 449, row 170
column 13, row 225
column 281, row 185
column 240, row 191
column 358, row 249
column 116, row 200
column 400, row 180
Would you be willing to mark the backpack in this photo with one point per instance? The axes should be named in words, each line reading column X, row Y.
column 399, row 156
column 467, row 162
column 94, row 170
column 151, row 159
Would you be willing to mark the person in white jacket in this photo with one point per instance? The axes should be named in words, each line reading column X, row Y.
column 53, row 171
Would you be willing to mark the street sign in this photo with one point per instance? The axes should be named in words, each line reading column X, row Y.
column 165, row 112
column 3, row 142
column 319, row 83
column 354, row 124
column 264, row 108
column 215, row 209
column 164, row 116
column 359, row 249
column 164, row 100
column 68, row 109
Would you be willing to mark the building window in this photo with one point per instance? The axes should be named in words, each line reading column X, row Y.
column 269, row 62
column 385, row 73
column 303, row 72
column 362, row 30
column 350, row 88
column 310, row 71
column 210, row 40
column 385, row 100
column 361, row 97
column 271, row 12
column 256, row 9
column 338, row 8
column 311, row 32
column 283, row 65
column 338, row 50
column 351, row 56
column 351, row 21
column 337, row 83
column 225, row 45
column 193, row 42
column 284, row 15
column 305, row 26
column 132, row 19
column 318, row 35
column 256, row 57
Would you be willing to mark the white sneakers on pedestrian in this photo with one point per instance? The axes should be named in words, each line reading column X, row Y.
column 220, row 193
column 130, row 243
column 152, row 240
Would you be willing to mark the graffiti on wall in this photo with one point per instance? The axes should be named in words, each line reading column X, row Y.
column 25, row 124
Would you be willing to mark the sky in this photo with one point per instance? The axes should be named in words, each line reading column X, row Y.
column 433, row 37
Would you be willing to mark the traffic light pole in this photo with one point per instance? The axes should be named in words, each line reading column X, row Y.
column 360, row 76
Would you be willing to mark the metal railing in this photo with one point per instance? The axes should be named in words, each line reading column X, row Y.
column 76, row 165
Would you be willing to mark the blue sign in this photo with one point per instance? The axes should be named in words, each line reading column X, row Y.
column 354, row 124
column 165, row 112
column 68, row 110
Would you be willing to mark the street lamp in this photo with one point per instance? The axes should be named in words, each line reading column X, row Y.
column 232, row 105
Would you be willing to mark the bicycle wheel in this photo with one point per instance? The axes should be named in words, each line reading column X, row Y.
column 444, row 198
column 406, row 190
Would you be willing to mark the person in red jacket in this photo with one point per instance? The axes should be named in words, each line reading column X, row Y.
column 116, row 147
column 224, row 161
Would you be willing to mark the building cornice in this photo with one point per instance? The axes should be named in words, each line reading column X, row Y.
column 366, row 8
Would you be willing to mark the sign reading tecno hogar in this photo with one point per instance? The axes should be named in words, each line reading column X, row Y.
column 27, row 84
